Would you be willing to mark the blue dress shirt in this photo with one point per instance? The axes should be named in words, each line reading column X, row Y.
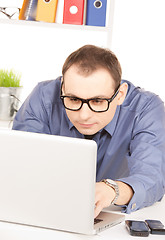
column 131, row 148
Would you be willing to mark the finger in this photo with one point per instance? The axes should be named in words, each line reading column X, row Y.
column 97, row 198
column 98, row 209
column 98, row 194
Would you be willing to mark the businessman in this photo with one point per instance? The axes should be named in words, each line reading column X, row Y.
column 128, row 124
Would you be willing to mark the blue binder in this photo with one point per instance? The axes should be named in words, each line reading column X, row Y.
column 96, row 12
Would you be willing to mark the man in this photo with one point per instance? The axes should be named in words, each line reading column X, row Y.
column 128, row 124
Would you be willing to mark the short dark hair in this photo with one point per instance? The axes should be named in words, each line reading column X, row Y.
column 89, row 58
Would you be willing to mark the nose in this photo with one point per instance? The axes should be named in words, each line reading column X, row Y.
column 85, row 112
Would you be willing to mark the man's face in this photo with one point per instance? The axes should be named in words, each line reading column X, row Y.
column 98, row 84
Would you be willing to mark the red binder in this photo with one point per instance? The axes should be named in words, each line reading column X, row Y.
column 73, row 12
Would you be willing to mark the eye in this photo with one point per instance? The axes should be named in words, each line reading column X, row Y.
column 97, row 101
column 74, row 99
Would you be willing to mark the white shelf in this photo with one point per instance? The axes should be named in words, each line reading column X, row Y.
column 108, row 28
column 53, row 25
column 38, row 49
column 62, row 27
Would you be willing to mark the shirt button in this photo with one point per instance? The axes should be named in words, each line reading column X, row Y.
column 133, row 206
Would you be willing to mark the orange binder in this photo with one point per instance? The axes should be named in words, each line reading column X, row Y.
column 23, row 9
column 46, row 10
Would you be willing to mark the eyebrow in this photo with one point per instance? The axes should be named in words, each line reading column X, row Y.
column 98, row 96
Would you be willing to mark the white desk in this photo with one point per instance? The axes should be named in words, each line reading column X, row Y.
column 19, row 232
column 6, row 124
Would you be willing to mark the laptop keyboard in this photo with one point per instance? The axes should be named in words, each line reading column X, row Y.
column 97, row 220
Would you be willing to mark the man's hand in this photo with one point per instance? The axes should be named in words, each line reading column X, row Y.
column 104, row 195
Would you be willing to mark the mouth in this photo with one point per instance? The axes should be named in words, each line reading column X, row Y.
column 86, row 125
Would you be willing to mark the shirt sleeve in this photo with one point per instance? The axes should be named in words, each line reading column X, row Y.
column 32, row 116
column 146, row 157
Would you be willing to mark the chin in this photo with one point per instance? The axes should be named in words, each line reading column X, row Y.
column 87, row 132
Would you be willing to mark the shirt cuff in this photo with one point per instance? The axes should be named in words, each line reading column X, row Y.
column 138, row 199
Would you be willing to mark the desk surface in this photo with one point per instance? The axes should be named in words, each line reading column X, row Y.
column 6, row 124
column 18, row 232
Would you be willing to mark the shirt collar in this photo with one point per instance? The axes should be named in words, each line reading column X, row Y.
column 70, row 124
column 110, row 127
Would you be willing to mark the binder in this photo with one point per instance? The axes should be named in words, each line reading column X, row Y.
column 96, row 12
column 28, row 10
column 46, row 10
column 73, row 12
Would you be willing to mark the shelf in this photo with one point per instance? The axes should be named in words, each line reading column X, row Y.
column 80, row 31
column 38, row 49
column 53, row 25
column 109, row 22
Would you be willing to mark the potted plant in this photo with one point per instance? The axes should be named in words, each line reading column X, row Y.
column 10, row 89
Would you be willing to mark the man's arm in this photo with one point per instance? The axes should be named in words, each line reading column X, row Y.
column 145, row 183
column 104, row 195
column 31, row 115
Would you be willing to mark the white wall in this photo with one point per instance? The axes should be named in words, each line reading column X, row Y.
column 138, row 41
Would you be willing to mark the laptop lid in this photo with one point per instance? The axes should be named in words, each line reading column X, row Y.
column 48, row 181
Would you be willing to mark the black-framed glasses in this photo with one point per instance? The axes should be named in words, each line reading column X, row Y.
column 9, row 12
column 95, row 104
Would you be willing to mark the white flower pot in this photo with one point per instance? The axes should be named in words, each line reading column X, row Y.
column 9, row 102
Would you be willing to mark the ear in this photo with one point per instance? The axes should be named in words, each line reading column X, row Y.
column 122, row 93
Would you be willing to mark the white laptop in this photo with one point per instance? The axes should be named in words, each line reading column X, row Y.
column 49, row 181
